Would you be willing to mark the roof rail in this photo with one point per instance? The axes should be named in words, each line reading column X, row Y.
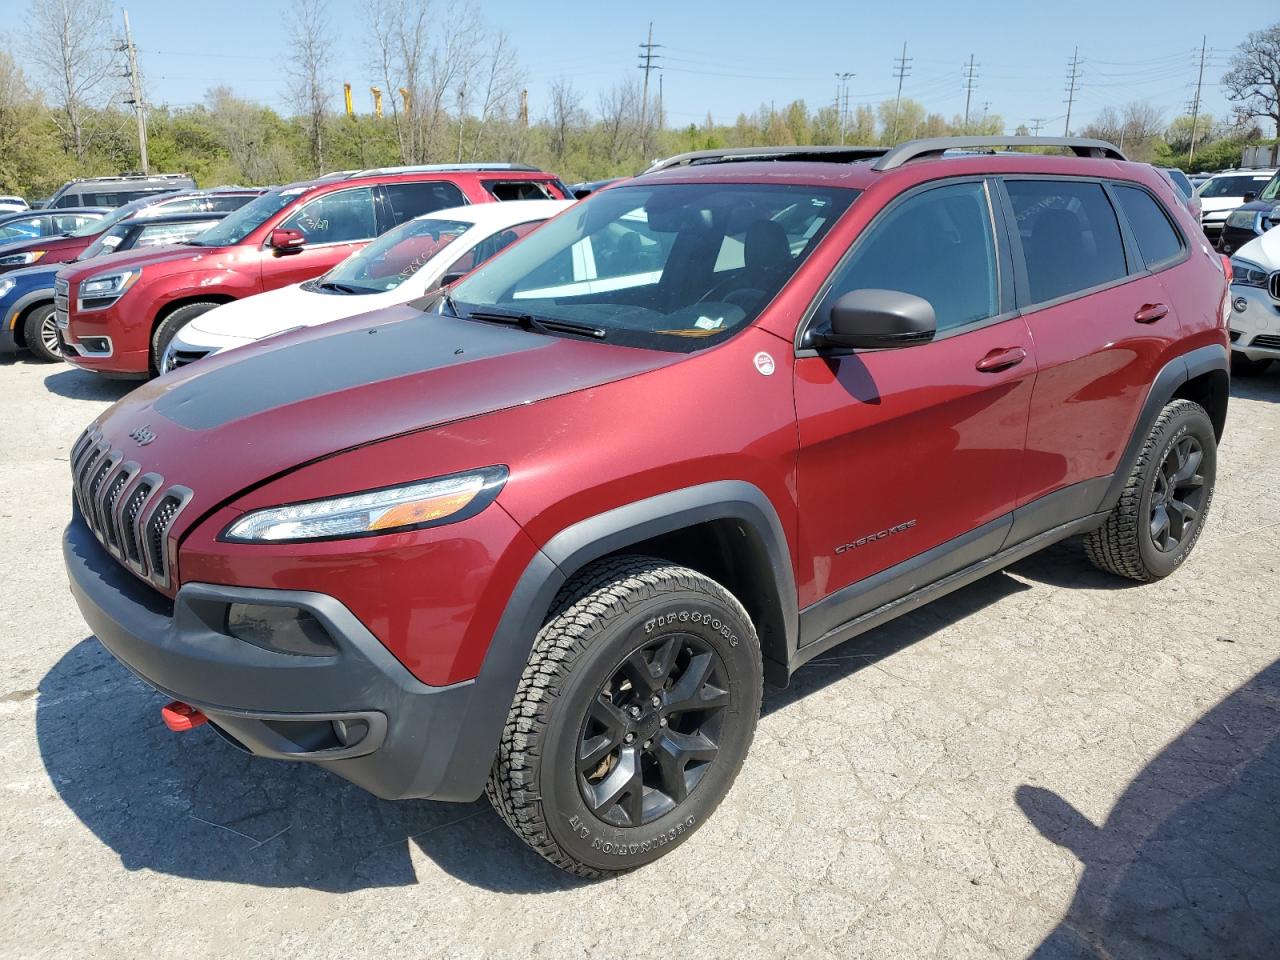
column 937, row 146
column 739, row 154
column 444, row 168
column 133, row 176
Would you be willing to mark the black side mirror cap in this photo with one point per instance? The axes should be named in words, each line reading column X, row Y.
column 451, row 278
column 877, row 320
column 1250, row 196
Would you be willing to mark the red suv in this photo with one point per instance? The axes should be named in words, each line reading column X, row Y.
column 545, row 534
column 117, row 319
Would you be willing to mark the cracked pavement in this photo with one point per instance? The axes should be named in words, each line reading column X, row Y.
column 1049, row 763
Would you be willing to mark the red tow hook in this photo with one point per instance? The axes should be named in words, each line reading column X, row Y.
column 180, row 717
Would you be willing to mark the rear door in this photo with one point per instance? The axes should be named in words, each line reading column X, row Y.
column 1102, row 323
column 909, row 449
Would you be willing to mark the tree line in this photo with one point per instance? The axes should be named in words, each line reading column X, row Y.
column 452, row 89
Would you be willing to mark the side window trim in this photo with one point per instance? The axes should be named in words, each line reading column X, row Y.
column 1004, row 261
column 1025, row 305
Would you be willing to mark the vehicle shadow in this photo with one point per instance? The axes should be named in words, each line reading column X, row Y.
column 75, row 384
column 1187, row 864
column 1262, row 386
column 193, row 806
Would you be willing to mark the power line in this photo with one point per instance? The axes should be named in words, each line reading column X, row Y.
column 1073, row 78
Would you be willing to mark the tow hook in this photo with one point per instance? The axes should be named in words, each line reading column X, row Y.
column 181, row 717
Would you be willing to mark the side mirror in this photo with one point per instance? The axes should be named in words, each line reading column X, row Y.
column 878, row 319
column 283, row 240
column 1250, row 196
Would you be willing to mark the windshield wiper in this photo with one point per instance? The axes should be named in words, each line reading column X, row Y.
column 340, row 287
column 540, row 324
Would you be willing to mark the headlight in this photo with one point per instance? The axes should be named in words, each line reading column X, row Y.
column 103, row 290
column 6, row 286
column 22, row 259
column 1242, row 218
column 411, row 506
column 1247, row 273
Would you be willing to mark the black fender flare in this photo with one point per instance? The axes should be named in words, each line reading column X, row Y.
column 494, row 688
column 1178, row 371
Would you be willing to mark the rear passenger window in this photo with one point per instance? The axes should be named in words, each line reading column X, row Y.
column 520, row 190
column 1070, row 236
column 938, row 245
column 408, row 200
column 1158, row 241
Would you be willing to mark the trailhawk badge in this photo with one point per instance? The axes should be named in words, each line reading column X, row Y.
column 765, row 364
column 143, row 435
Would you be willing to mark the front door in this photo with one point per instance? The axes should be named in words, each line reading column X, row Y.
column 334, row 225
column 906, row 450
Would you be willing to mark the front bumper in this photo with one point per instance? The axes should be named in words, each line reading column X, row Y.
column 1255, row 323
column 395, row 736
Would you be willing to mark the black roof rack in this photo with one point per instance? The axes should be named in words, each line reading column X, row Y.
column 937, row 146
column 741, row 154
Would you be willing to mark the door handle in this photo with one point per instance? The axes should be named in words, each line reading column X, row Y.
column 1001, row 358
column 1151, row 312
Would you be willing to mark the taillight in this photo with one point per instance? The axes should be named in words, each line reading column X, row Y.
column 1226, row 266
column 1225, row 312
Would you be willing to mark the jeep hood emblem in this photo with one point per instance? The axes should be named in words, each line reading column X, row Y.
column 143, row 435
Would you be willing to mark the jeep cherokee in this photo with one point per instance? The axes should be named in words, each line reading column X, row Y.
column 545, row 536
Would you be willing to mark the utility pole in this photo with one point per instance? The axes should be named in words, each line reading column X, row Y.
column 970, row 81
column 1195, row 104
column 842, row 101
column 647, row 58
column 1073, row 80
column 1036, row 124
column 900, row 70
column 135, row 87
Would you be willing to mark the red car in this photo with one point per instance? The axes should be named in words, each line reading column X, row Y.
column 546, row 534
column 117, row 319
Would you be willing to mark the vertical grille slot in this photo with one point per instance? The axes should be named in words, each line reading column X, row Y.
column 82, row 477
column 130, row 534
column 1273, row 285
column 107, row 506
column 157, row 535
column 105, row 466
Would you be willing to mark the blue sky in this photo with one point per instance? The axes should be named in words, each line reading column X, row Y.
column 728, row 57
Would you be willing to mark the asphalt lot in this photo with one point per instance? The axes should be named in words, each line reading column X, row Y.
column 1047, row 760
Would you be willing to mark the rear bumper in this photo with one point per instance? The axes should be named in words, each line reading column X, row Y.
column 359, row 713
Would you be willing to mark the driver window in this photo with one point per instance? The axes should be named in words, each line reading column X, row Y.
column 939, row 245
column 340, row 217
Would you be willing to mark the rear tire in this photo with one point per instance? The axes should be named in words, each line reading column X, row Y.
column 632, row 719
column 1152, row 529
column 168, row 328
column 1242, row 366
column 40, row 330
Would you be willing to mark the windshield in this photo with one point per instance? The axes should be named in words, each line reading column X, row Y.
column 106, row 243
column 247, row 219
column 1232, row 186
column 674, row 267
column 395, row 256
column 1272, row 189
column 94, row 226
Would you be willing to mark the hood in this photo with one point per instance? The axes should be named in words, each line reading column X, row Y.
column 236, row 419
column 1263, row 250
column 41, row 274
column 53, row 241
column 289, row 307
column 145, row 256
column 1219, row 204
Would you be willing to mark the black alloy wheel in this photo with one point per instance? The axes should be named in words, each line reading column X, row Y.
column 653, row 731
column 1177, row 495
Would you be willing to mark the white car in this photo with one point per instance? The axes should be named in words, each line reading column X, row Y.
column 9, row 204
column 1223, row 192
column 1255, row 304
column 401, row 265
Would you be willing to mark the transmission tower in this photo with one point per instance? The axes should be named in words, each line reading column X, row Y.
column 648, row 63
column 1195, row 103
column 1073, row 82
column 135, row 91
column 970, row 81
column 901, row 69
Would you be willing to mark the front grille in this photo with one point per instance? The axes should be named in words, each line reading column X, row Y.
column 180, row 358
column 61, row 296
column 1268, row 340
column 116, row 503
column 1273, row 286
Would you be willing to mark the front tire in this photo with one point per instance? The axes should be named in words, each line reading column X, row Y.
column 40, row 329
column 632, row 719
column 168, row 328
column 1161, row 513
